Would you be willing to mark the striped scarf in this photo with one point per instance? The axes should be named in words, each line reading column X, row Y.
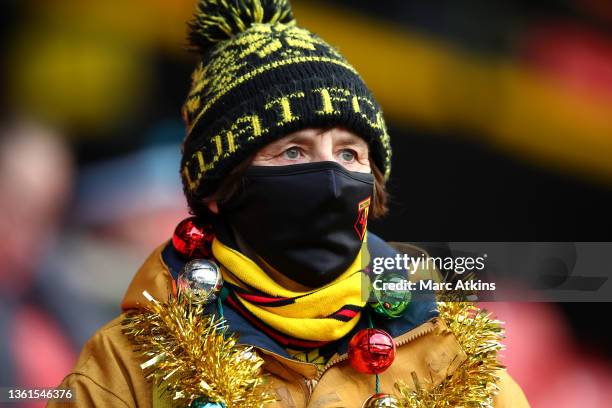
column 300, row 320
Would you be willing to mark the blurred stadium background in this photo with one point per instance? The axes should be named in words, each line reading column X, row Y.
column 501, row 120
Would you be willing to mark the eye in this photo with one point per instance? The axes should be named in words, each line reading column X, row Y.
column 292, row 153
column 348, row 155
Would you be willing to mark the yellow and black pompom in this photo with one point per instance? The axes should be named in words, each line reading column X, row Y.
column 218, row 20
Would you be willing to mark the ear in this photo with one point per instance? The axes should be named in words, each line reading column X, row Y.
column 213, row 207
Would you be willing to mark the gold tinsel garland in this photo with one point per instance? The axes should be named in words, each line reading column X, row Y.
column 474, row 383
column 191, row 356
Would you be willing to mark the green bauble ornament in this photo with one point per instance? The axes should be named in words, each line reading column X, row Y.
column 205, row 403
column 391, row 297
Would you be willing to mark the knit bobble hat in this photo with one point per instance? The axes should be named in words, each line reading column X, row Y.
column 261, row 77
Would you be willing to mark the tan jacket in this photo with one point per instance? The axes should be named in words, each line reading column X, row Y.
column 108, row 374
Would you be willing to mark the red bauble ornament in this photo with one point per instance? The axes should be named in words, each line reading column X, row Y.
column 193, row 239
column 371, row 351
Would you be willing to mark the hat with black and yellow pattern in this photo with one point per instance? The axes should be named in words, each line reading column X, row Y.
column 261, row 77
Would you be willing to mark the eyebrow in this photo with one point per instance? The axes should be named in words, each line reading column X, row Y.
column 345, row 139
column 351, row 139
column 299, row 138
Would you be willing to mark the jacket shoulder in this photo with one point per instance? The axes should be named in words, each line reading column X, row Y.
column 510, row 394
column 108, row 372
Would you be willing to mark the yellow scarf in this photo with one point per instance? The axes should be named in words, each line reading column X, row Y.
column 323, row 314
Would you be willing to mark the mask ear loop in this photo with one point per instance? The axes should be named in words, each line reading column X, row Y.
column 371, row 326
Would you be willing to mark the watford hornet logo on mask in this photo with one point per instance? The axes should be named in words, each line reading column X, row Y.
column 362, row 217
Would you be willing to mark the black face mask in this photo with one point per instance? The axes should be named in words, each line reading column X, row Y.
column 307, row 221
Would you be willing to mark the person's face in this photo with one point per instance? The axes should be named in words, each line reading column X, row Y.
column 314, row 145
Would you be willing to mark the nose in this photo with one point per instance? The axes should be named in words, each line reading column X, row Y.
column 324, row 149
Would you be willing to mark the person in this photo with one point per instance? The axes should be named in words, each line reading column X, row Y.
column 36, row 173
column 285, row 158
